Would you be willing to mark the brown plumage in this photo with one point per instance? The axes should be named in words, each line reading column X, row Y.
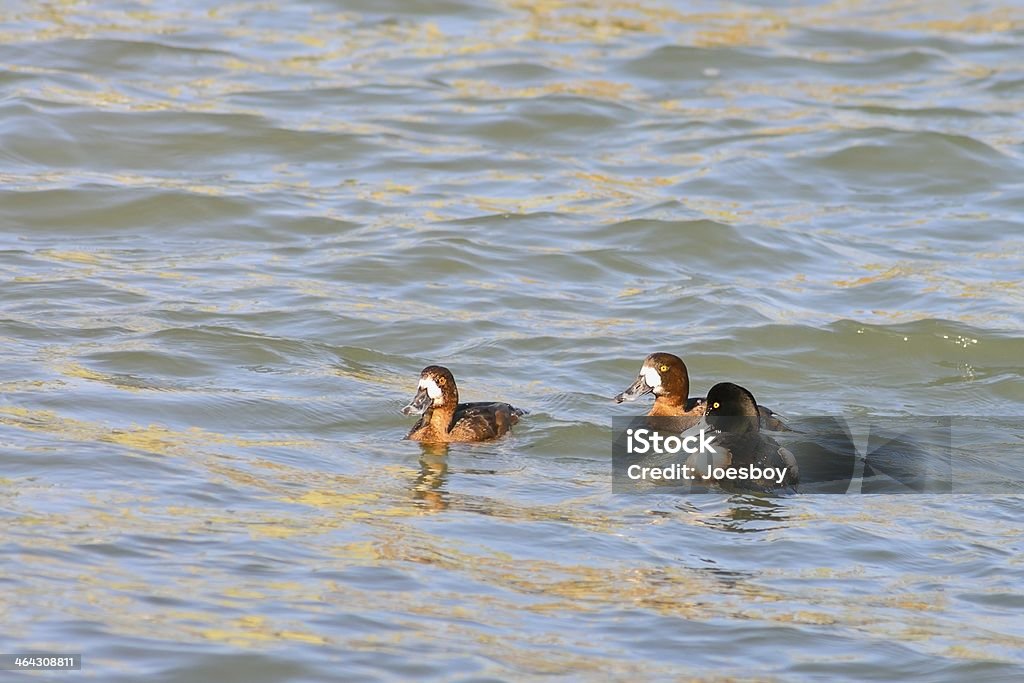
column 665, row 375
column 443, row 419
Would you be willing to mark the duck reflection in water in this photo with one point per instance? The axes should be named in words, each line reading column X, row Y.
column 430, row 489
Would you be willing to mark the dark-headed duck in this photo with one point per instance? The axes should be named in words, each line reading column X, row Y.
column 665, row 375
column 444, row 419
column 732, row 417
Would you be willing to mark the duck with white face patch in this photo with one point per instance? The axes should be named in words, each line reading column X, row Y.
column 665, row 375
column 443, row 419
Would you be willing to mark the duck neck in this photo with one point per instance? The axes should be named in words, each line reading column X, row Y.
column 675, row 391
column 669, row 404
column 440, row 418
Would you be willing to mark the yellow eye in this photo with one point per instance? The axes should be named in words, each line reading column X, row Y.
column 663, row 368
column 715, row 406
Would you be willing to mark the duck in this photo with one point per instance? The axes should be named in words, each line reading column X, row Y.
column 665, row 375
column 444, row 420
column 732, row 418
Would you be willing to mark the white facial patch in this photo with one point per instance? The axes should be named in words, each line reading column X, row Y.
column 433, row 391
column 652, row 377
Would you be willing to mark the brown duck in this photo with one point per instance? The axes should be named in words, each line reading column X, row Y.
column 443, row 419
column 665, row 375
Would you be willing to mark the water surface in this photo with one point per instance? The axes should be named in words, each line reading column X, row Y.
column 232, row 235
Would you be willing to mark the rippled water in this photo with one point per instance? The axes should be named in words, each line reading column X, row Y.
column 233, row 234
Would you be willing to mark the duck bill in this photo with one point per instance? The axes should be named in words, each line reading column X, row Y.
column 638, row 389
column 702, row 426
column 727, row 423
column 419, row 404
